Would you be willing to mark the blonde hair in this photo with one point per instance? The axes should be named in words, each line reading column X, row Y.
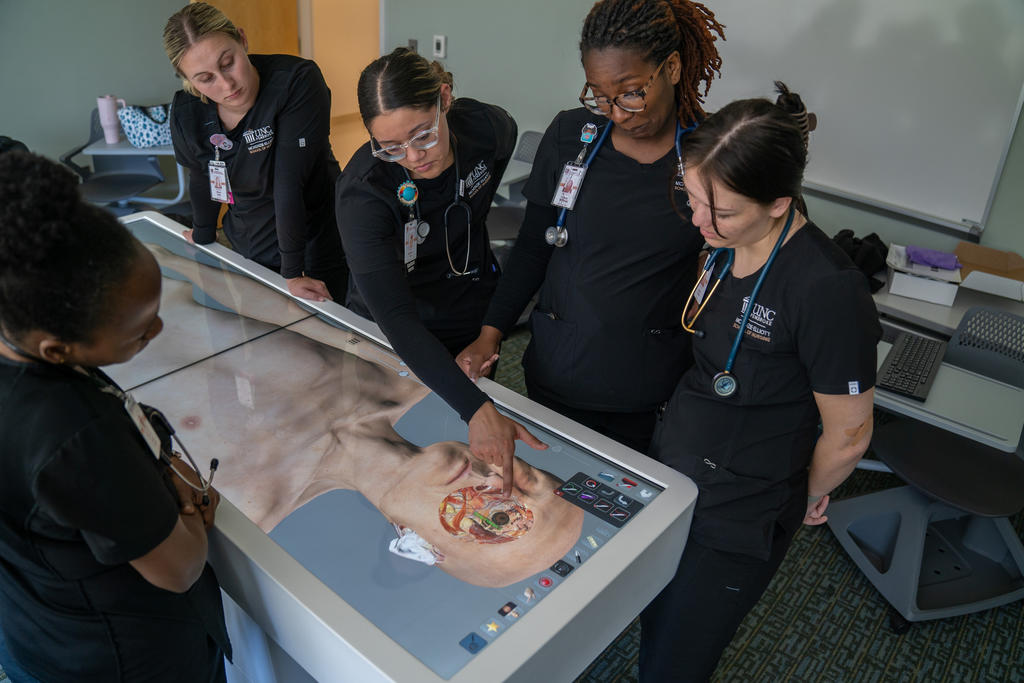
column 188, row 26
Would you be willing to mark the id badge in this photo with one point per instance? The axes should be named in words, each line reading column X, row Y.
column 569, row 186
column 220, row 188
column 149, row 434
column 410, row 243
column 702, row 286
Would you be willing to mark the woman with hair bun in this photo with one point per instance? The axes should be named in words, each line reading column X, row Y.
column 254, row 132
column 744, row 420
column 412, row 206
column 103, row 573
column 603, row 248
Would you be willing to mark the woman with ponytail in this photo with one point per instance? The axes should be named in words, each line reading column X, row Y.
column 607, row 251
column 743, row 422
column 412, row 205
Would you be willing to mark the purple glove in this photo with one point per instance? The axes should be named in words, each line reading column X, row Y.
column 932, row 257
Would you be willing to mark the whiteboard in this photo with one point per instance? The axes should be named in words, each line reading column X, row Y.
column 916, row 99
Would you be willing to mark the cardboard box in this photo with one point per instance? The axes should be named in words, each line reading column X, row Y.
column 991, row 270
column 920, row 282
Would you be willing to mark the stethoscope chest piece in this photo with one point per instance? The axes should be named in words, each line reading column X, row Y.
column 724, row 384
column 556, row 235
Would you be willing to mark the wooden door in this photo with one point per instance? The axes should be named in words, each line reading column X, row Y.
column 271, row 26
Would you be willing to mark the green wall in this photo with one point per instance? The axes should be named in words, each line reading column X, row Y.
column 523, row 55
column 58, row 56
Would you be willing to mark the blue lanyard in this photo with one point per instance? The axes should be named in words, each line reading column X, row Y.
column 586, row 164
column 724, row 384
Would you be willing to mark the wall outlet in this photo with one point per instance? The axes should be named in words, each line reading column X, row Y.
column 441, row 46
column 414, row 45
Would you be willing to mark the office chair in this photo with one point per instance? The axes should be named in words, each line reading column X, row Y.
column 114, row 179
column 943, row 545
column 518, row 170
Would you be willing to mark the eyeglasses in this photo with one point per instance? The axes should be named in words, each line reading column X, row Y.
column 425, row 139
column 633, row 101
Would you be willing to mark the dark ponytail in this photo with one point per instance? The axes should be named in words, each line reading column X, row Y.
column 60, row 257
column 400, row 79
column 655, row 29
column 754, row 147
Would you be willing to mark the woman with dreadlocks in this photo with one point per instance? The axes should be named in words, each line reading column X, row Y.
column 602, row 239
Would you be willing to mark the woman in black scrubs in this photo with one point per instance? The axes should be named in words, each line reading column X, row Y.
column 412, row 205
column 743, row 422
column 607, row 347
column 103, row 573
column 253, row 130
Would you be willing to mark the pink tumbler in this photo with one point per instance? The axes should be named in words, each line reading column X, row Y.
column 107, row 105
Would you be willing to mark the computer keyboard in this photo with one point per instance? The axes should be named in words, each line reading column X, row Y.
column 911, row 365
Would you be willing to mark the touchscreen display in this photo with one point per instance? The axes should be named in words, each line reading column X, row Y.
column 328, row 443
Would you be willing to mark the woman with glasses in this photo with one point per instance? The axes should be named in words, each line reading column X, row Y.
column 604, row 245
column 411, row 207
column 253, row 130
column 743, row 422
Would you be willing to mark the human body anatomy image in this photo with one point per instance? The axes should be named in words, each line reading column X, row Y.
column 297, row 412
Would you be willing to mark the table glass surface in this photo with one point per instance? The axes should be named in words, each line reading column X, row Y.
column 328, row 443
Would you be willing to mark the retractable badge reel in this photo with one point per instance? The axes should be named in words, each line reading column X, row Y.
column 415, row 230
column 220, row 186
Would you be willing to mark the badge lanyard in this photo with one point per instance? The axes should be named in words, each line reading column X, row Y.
column 220, row 186
column 724, row 383
column 572, row 178
column 142, row 417
column 417, row 229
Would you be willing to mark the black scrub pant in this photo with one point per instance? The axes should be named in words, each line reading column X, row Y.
column 691, row 622
column 630, row 429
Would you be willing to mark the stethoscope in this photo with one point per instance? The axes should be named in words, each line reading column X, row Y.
column 155, row 417
column 724, row 383
column 558, row 235
column 408, row 195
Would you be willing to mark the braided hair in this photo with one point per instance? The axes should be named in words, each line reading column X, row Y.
column 754, row 147
column 60, row 257
column 655, row 29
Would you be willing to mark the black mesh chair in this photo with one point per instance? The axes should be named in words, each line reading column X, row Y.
column 114, row 179
column 943, row 545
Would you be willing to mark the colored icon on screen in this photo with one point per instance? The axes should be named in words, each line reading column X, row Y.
column 491, row 627
column 571, row 488
column 592, row 542
column 606, row 492
column 626, row 483
column 545, row 582
column 562, row 568
column 619, row 514
column 607, row 476
column 508, row 610
column 473, row 643
column 529, row 594
column 623, row 501
column 646, row 493
column 603, row 505
column 590, row 484
column 587, row 497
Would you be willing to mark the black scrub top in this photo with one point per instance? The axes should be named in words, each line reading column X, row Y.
column 813, row 328
column 429, row 313
column 81, row 495
column 606, row 330
column 280, row 167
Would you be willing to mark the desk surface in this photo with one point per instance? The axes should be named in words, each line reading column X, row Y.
column 122, row 146
column 938, row 318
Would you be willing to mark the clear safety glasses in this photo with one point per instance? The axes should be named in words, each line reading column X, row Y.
column 633, row 101
column 425, row 139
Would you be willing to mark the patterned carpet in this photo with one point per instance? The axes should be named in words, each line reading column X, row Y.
column 821, row 620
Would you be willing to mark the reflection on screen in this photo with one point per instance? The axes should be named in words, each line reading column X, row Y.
column 328, row 444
